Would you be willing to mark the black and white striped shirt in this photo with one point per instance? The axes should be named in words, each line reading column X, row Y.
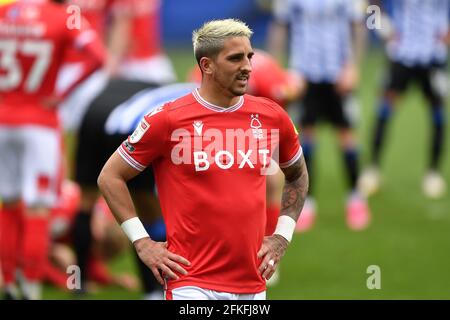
column 419, row 26
column 321, row 41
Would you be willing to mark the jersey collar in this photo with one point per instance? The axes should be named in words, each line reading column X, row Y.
column 215, row 108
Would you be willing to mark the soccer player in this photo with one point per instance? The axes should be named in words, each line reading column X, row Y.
column 113, row 115
column 34, row 38
column 417, row 51
column 283, row 87
column 210, row 151
column 326, row 43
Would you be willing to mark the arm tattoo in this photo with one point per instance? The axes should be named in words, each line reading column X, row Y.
column 295, row 189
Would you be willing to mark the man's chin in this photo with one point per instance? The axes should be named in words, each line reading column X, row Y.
column 239, row 91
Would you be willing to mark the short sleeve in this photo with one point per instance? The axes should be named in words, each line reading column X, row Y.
column 148, row 141
column 289, row 147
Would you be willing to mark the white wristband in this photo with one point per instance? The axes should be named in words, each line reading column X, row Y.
column 285, row 227
column 134, row 229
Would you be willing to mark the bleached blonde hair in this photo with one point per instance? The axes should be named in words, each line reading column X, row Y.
column 208, row 40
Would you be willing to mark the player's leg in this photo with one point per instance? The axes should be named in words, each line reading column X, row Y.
column 309, row 113
column 11, row 223
column 61, row 256
column 40, row 182
column 434, row 82
column 350, row 154
column 342, row 113
column 88, row 165
column 11, row 209
column 398, row 79
column 357, row 210
column 82, row 233
column 89, row 158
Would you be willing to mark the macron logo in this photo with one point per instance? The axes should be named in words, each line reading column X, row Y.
column 198, row 126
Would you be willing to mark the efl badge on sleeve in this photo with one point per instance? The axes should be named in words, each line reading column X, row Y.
column 139, row 131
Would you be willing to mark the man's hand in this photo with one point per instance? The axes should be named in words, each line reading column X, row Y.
column 156, row 256
column 272, row 250
column 294, row 89
column 348, row 79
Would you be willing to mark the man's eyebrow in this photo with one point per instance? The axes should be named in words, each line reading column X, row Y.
column 240, row 55
column 236, row 55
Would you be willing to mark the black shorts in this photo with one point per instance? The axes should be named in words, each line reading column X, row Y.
column 428, row 77
column 322, row 102
column 95, row 146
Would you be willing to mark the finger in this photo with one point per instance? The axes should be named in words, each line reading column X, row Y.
column 263, row 251
column 264, row 263
column 269, row 272
column 176, row 267
column 157, row 275
column 165, row 244
column 168, row 272
column 177, row 258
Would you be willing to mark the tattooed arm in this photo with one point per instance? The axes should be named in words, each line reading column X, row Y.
column 294, row 195
column 295, row 189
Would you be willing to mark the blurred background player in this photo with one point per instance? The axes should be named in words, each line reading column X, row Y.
column 109, row 243
column 111, row 117
column 417, row 36
column 326, row 43
column 34, row 37
column 132, row 33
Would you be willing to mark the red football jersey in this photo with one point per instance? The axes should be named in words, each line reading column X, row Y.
column 210, row 165
column 34, row 36
column 145, row 29
column 95, row 12
column 268, row 79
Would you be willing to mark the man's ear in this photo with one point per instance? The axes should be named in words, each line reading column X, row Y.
column 207, row 65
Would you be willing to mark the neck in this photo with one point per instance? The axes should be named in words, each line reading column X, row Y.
column 217, row 96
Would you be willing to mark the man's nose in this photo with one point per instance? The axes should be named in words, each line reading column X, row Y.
column 247, row 65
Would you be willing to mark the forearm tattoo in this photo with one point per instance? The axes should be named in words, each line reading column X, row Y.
column 295, row 189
